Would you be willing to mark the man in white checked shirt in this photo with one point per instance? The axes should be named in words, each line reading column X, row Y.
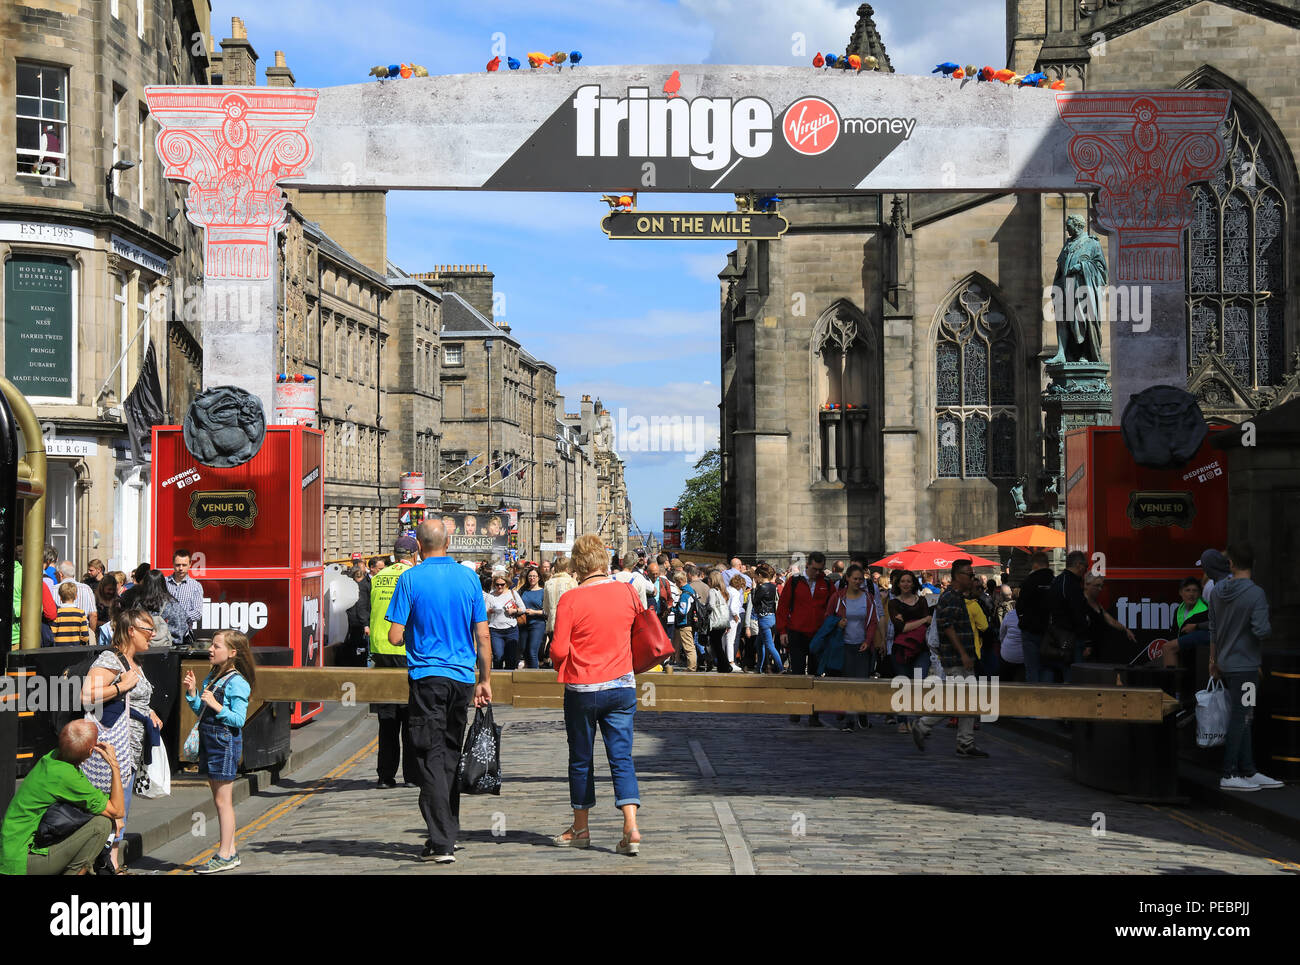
column 185, row 590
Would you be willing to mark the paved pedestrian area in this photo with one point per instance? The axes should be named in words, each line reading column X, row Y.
column 741, row 794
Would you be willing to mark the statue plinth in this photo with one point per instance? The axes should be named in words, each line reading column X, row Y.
column 1077, row 395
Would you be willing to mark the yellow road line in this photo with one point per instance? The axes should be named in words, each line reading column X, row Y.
column 1028, row 753
column 1227, row 837
column 283, row 808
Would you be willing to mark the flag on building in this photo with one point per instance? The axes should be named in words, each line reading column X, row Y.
column 144, row 408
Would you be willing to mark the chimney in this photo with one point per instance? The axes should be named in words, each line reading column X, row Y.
column 238, row 58
column 279, row 75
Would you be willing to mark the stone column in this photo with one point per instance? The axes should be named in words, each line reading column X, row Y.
column 233, row 146
column 1143, row 151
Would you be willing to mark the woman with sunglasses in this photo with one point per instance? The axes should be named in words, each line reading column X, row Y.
column 503, row 609
column 118, row 694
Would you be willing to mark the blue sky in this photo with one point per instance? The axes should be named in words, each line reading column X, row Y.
column 633, row 323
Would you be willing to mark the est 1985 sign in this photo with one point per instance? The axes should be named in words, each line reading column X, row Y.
column 688, row 225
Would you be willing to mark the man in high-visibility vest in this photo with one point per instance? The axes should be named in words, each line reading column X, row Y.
column 393, row 737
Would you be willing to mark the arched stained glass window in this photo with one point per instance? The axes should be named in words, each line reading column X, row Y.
column 975, row 387
column 1236, row 251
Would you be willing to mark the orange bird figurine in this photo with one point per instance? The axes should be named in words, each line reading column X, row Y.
column 406, row 71
column 1004, row 75
column 1057, row 85
column 855, row 62
column 958, row 73
column 494, row 64
column 819, row 60
column 673, row 84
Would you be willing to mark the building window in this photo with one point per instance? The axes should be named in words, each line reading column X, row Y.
column 42, row 121
column 1236, row 259
column 139, row 18
column 121, row 299
column 141, row 167
column 453, row 355
column 118, row 96
column 975, row 388
column 113, row 9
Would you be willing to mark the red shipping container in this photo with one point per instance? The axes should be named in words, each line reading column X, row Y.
column 255, row 535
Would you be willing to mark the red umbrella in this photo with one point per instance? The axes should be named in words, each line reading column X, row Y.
column 931, row 555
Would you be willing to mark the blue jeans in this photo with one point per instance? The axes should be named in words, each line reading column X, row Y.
column 613, row 710
column 766, row 644
column 1238, row 759
column 533, row 633
column 1031, row 643
column 505, row 647
column 128, row 787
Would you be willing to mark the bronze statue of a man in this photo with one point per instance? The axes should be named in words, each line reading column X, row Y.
column 1078, row 289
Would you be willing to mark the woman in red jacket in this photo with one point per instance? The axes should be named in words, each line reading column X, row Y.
column 592, row 650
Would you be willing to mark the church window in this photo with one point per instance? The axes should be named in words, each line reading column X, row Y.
column 1236, row 257
column 975, row 388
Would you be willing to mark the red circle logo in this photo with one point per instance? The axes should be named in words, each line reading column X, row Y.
column 811, row 126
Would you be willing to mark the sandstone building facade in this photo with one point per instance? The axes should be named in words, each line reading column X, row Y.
column 882, row 363
column 109, row 251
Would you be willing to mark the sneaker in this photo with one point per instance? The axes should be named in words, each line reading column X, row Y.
column 1263, row 780
column 918, row 736
column 428, row 854
column 847, row 724
column 218, row 864
column 385, row 785
column 737, row 668
column 971, row 751
column 1237, row 784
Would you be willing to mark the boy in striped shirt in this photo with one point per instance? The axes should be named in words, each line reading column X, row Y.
column 70, row 626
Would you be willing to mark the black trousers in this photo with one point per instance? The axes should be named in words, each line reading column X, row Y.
column 799, row 662
column 438, row 707
column 718, row 649
column 394, row 732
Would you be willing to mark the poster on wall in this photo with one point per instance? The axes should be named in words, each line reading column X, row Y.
column 486, row 533
column 38, row 326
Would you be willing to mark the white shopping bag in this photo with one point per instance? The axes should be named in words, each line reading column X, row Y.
column 156, row 779
column 1211, row 714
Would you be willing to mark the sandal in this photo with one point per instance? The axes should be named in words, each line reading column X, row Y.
column 632, row 848
column 577, row 839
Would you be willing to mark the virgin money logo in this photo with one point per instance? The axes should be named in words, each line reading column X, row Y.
column 811, row 126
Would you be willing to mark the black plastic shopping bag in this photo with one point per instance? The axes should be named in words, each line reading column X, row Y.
column 480, row 760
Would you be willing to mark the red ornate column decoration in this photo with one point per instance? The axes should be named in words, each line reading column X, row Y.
column 233, row 144
column 1144, row 150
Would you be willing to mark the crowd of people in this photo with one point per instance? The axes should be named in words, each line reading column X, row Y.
column 450, row 624
column 77, row 611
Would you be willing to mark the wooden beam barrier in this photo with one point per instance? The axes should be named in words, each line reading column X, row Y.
column 753, row 694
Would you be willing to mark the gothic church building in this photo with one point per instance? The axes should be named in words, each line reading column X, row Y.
column 921, row 317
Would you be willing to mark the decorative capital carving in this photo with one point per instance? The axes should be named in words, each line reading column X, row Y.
column 233, row 145
column 1144, row 151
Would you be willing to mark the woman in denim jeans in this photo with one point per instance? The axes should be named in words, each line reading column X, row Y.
column 593, row 656
column 765, row 596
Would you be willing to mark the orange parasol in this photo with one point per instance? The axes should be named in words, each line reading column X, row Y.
column 1023, row 537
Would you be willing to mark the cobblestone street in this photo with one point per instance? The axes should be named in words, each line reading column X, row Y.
column 867, row 801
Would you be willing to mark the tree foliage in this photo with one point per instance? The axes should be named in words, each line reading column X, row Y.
column 701, row 505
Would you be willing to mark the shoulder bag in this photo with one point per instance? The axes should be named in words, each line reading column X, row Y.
column 650, row 645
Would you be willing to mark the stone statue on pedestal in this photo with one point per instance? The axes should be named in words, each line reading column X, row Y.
column 1078, row 290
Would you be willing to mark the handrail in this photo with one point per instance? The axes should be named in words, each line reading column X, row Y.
column 32, row 468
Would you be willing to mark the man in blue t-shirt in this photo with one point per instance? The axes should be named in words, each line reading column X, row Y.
column 437, row 613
